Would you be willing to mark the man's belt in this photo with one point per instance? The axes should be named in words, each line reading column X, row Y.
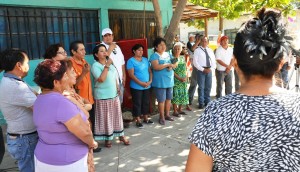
column 17, row 135
column 206, row 67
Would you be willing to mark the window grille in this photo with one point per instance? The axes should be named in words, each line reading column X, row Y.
column 34, row 29
column 231, row 33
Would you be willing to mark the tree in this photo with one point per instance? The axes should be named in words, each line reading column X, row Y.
column 231, row 9
column 174, row 23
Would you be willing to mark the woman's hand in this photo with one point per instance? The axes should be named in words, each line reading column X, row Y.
column 183, row 79
column 95, row 145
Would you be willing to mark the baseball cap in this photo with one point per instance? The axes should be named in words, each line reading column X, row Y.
column 223, row 38
column 106, row 31
column 191, row 35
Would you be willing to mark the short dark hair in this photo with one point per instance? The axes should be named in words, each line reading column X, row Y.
column 260, row 45
column 10, row 57
column 51, row 51
column 74, row 46
column 96, row 49
column 136, row 46
column 157, row 41
column 69, row 64
column 49, row 70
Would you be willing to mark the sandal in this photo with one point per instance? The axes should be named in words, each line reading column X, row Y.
column 161, row 121
column 189, row 108
column 108, row 144
column 183, row 113
column 169, row 118
column 176, row 114
column 125, row 141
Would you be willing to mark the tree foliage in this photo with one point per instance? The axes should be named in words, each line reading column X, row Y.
column 231, row 9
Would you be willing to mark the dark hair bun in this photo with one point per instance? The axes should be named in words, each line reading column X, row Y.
column 265, row 34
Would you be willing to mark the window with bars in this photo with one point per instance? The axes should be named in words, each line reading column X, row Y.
column 231, row 33
column 130, row 25
column 34, row 29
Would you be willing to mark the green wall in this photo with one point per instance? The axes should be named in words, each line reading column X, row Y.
column 102, row 5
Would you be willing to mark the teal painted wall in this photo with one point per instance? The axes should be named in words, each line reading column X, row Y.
column 102, row 5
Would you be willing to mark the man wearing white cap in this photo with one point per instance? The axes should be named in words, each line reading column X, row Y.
column 114, row 52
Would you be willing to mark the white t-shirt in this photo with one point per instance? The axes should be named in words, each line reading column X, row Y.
column 117, row 58
column 225, row 55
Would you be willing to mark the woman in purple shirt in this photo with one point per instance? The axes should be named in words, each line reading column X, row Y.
column 64, row 132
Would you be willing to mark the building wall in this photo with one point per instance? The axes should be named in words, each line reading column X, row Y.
column 102, row 5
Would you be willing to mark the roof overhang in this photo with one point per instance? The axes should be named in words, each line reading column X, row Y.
column 192, row 11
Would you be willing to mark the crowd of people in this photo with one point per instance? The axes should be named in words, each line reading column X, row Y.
column 60, row 128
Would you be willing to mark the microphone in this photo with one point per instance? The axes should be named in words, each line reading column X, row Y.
column 111, row 61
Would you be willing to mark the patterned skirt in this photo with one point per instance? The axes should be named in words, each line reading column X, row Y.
column 180, row 93
column 108, row 119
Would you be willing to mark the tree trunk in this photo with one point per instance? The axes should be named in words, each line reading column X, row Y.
column 205, row 27
column 221, row 20
column 158, row 18
column 169, row 36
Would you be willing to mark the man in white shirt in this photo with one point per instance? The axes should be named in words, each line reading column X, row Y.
column 224, row 55
column 204, row 62
column 114, row 52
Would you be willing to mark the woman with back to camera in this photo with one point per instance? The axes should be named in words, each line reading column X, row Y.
column 256, row 128
column 63, row 128
column 56, row 52
column 139, row 71
column 163, row 78
column 108, row 114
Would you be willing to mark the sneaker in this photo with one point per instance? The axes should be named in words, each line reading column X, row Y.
column 148, row 122
column 139, row 125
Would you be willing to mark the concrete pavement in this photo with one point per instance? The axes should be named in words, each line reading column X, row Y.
column 155, row 148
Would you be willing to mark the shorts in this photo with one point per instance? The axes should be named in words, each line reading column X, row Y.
column 163, row 94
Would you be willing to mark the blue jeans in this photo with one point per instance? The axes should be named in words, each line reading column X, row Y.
column 204, row 87
column 21, row 148
column 284, row 75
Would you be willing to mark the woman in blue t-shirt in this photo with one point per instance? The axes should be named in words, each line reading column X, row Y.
column 139, row 71
column 163, row 78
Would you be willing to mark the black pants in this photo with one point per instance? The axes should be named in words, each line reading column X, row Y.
column 141, row 102
column 92, row 118
column 2, row 146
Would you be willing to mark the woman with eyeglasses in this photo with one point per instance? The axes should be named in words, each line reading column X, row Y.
column 108, row 114
column 55, row 52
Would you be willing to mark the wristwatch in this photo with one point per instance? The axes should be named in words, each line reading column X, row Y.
column 106, row 66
